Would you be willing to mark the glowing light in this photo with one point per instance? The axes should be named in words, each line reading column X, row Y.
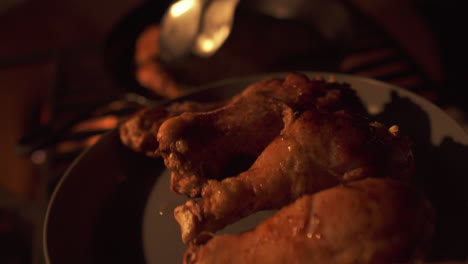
column 181, row 7
column 206, row 45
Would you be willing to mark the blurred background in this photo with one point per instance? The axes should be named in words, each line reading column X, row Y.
column 37, row 38
column 60, row 58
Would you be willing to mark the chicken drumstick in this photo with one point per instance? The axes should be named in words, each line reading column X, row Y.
column 373, row 221
column 314, row 152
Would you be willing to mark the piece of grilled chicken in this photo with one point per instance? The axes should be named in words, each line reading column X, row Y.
column 372, row 221
column 212, row 145
column 139, row 132
column 315, row 151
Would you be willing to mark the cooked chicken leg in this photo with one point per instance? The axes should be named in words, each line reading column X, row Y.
column 315, row 151
column 372, row 221
column 201, row 146
column 139, row 131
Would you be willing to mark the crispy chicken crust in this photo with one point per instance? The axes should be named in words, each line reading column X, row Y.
column 368, row 221
column 139, row 132
column 315, row 151
column 200, row 146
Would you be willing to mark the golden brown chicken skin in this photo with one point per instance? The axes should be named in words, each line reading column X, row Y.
column 315, row 151
column 139, row 132
column 372, row 221
column 212, row 145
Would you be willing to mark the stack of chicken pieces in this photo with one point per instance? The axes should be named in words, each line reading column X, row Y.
column 341, row 182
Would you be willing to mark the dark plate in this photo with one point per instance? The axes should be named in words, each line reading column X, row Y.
column 114, row 206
